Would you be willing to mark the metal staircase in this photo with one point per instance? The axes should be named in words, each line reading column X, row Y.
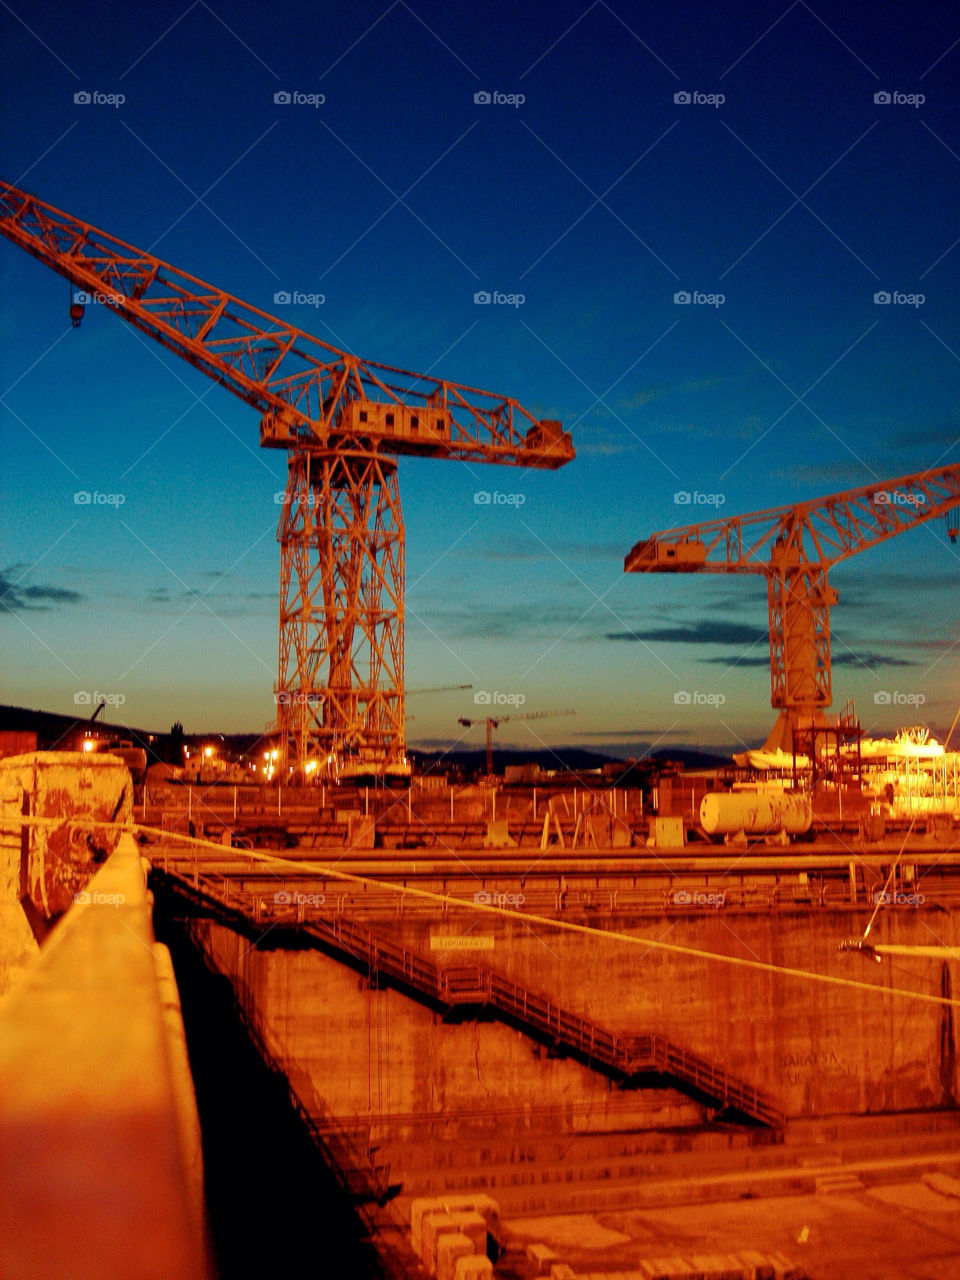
column 458, row 989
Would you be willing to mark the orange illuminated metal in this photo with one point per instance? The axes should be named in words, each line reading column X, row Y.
column 795, row 547
column 342, row 419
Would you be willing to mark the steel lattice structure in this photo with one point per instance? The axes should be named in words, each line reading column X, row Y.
column 339, row 692
column 795, row 547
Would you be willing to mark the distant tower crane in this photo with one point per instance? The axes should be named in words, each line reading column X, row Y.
column 795, row 548
column 494, row 722
column 342, row 420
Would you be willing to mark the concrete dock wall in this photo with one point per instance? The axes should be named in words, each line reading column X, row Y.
column 818, row 1049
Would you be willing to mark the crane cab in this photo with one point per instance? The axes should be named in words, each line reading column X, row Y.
column 395, row 422
column 548, row 439
column 656, row 553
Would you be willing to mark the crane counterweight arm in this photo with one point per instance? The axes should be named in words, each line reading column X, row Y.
column 309, row 393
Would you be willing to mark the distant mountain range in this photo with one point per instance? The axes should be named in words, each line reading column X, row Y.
column 63, row 732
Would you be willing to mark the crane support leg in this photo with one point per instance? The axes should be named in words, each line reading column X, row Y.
column 340, row 703
column 799, row 600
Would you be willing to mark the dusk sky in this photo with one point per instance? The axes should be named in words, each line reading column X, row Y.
column 783, row 192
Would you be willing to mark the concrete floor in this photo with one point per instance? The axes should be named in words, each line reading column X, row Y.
column 900, row 1231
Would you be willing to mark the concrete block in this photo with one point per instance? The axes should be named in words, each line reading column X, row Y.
column 440, row 1223
column 498, row 837
column 666, row 833
column 562, row 1271
column 542, row 1257
column 479, row 1202
column 450, row 1248
column 420, row 1207
column 474, row 1267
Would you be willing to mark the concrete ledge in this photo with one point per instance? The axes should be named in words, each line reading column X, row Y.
column 99, row 1138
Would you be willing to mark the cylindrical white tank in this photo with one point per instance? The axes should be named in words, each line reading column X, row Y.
column 725, row 813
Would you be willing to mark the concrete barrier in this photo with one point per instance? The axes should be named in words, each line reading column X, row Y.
column 99, row 1138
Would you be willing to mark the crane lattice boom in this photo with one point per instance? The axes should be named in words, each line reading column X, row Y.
column 307, row 391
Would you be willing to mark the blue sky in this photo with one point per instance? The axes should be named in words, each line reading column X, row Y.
column 598, row 198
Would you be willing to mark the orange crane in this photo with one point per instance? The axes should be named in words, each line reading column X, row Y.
column 342, row 420
column 795, row 547
column 494, row 722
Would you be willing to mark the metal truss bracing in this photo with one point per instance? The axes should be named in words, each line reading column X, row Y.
column 308, row 392
column 795, row 547
column 340, row 696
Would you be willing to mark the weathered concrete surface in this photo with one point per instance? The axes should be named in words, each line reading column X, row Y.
column 100, row 1164
column 73, row 800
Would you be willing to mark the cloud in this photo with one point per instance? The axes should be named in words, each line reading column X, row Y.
column 838, row 659
column 15, row 598
column 706, row 631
